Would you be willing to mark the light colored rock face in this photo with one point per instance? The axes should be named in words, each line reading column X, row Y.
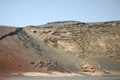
column 82, row 39
column 87, row 67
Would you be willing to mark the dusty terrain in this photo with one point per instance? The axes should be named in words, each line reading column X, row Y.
column 61, row 46
column 66, row 78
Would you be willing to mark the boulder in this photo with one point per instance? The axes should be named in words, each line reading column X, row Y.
column 87, row 67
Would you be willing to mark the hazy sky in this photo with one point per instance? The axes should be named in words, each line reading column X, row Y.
column 36, row 12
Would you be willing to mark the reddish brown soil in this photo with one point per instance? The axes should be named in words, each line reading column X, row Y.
column 10, row 61
column 1, row 78
column 14, row 56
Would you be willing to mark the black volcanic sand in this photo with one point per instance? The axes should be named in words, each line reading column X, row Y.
column 108, row 64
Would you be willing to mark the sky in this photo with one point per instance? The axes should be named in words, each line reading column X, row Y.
column 22, row 13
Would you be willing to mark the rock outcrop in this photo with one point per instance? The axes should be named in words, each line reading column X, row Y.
column 88, row 68
column 50, row 65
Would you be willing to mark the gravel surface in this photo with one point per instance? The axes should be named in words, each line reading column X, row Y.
column 68, row 78
column 108, row 64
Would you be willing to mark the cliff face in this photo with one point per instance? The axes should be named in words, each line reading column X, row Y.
column 81, row 39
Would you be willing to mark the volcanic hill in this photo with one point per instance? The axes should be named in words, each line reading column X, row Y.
column 60, row 46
